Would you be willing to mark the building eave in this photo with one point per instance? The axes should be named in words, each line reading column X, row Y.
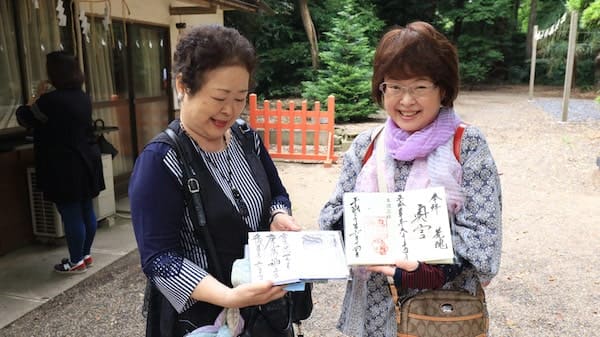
column 209, row 7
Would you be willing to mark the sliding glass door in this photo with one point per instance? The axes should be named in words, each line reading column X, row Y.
column 127, row 72
column 150, row 71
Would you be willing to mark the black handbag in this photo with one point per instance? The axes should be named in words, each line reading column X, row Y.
column 104, row 145
column 273, row 319
column 302, row 304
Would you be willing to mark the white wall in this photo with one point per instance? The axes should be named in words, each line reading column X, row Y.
column 190, row 20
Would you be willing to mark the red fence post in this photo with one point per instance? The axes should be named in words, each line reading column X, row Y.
column 282, row 120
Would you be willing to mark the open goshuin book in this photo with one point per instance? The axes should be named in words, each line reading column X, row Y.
column 380, row 228
column 290, row 257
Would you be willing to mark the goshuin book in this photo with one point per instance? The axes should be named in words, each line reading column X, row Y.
column 291, row 257
column 380, row 228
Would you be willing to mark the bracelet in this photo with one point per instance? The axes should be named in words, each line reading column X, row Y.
column 279, row 211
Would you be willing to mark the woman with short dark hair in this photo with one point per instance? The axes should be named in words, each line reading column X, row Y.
column 239, row 185
column 415, row 80
column 63, row 71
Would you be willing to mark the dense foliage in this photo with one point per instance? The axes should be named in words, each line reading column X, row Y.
column 489, row 45
column 282, row 48
column 346, row 59
column 552, row 50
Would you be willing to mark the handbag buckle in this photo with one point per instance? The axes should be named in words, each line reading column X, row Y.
column 446, row 308
column 193, row 185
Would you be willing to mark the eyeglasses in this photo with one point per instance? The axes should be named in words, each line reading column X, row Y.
column 417, row 91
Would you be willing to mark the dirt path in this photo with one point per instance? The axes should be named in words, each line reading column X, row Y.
column 549, row 279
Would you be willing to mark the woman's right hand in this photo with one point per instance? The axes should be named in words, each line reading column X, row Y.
column 42, row 87
column 256, row 293
column 212, row 291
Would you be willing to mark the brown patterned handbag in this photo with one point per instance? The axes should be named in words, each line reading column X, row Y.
column 441, row 313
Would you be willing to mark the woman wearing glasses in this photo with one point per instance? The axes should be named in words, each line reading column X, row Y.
column 213, row 66
column 415, row 80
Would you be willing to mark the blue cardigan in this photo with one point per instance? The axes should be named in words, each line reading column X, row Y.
column 170, row 254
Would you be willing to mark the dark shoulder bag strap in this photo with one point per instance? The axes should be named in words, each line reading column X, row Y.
column 192, row 188
column 245, row 134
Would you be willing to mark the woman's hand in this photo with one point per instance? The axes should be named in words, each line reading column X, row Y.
column 256, row 293
column 408, row 266
column 212, row 291
column 42, row 87
column 284, row 222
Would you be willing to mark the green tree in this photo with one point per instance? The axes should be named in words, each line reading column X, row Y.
column 403, row 12
column 590, row 21
column 488, row 46
column 552, row 50
column 282, row 47
column 486, row 33
column 590, row 16
column 346, row 63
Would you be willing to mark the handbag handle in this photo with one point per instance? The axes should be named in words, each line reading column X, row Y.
column 98, row 123
column 192, row 187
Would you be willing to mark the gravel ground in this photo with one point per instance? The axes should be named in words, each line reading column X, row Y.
column 548, row 282
column 580, row 110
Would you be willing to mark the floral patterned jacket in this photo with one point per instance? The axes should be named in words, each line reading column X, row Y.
column 477, row 233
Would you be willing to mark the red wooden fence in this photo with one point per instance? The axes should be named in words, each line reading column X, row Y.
column 314, row 127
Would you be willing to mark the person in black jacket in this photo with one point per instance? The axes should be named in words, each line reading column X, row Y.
column 67, row 159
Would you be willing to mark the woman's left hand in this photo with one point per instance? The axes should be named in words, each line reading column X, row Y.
column 284, row 222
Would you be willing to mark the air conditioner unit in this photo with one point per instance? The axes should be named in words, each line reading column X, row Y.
column 44, row 216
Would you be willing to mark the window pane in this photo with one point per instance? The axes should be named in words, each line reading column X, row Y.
column 40, row 34
column 149, row 63
column 10, row 90
column 106, row 60
column 120, row 60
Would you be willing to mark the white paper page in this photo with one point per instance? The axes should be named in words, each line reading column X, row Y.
column 381, row 228
column 271, row 257
column 322, row 256
column 286, row 257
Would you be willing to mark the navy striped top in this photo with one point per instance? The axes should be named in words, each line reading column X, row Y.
column 170, row 252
